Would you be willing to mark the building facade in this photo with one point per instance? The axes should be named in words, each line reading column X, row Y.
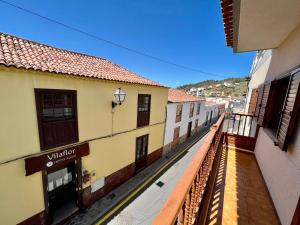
column 274, row 95
column 186, row 116
column 60, row 132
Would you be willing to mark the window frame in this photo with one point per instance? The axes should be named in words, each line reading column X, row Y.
column 178, row 115
column 198, row 108
column 143, row 117
column 192, row 106
column 41, row 123
column 289, row 107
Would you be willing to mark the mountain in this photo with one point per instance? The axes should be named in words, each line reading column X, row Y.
column 228, row 87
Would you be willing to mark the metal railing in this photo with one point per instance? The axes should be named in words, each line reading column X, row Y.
column 241, row 124
column 183, row 205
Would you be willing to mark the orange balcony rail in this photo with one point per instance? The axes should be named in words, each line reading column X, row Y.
column 183, row 205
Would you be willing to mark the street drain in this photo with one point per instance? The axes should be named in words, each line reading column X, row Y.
column 160, row 184
column 111, row 196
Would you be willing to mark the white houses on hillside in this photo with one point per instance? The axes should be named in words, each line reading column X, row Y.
column 186, row 115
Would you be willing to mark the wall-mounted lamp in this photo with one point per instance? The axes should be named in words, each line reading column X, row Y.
column 119, row 97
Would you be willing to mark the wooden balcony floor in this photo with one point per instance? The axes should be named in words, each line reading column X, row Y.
column 240, row 196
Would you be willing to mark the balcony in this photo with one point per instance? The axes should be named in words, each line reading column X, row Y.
column 223, row 183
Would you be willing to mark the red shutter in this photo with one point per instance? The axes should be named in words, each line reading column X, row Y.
column 264, row 94
column 289, row 112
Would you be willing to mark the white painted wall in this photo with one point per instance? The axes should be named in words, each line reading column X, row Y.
column 259, row 70
column 281, row 170
column 171, row 115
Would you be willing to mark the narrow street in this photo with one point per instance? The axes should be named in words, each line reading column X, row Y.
column 146, row 206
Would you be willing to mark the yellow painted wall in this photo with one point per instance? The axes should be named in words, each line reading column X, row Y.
column 19, row 132
column 111, row 154
column 21, row 196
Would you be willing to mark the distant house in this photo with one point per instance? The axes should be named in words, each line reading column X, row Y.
column 186, row 116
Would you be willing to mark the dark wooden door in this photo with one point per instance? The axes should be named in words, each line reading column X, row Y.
column 141, row 152
column 176, row 137
column 189, row 131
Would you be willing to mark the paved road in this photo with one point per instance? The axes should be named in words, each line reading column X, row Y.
column 145, row 207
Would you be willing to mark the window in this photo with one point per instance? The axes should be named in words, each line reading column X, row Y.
column 192, row 105
column 196, row 123
column 178, row 113
column 198, row 108
column 141, row 152
column 57, row 117
column 143, row 115
column 279, row 103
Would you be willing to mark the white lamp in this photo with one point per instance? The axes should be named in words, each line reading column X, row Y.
column 120, row 96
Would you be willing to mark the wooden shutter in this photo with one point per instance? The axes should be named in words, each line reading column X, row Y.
column 143, row 115
column 259, row 98
column 57, row 117
column 253, row 101
column 262, row 107
column 289, row 112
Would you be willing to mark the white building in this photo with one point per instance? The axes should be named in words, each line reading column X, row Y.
column 186, row 115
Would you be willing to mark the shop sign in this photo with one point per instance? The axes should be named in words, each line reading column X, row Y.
column 55, row 159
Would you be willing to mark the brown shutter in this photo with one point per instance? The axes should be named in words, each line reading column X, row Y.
column 259, row 98
column 264, row 92
column 289, row 112
column 253, row 101
column 143, row 115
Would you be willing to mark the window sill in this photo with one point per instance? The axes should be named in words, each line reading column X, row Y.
column 272, row 134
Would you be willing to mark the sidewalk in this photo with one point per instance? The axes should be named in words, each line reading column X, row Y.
column 107, row 204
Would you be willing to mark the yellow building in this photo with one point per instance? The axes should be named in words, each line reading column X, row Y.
column 63, row 130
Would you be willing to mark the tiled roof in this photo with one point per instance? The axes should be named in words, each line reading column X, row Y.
column 227, row 12
column 176, row 95
column 21, row 53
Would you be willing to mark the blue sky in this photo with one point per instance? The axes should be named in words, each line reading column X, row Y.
column 184, row 32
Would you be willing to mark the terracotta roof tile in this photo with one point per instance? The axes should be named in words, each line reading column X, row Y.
column 227, row 12
column 21, row 53
column 176, row 95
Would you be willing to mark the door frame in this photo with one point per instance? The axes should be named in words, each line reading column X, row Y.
column 78, row 187
column 144, row 159
column 189, row 131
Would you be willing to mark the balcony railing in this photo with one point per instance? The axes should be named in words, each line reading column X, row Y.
column 241, row 131
column 199, row 196
column 184, row 204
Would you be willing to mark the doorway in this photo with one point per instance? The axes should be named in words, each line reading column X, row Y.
column 189, row 131
column 61, row 192
column 141, row 152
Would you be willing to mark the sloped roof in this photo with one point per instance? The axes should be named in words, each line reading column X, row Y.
column 227, row 12
column 176, row 95
column 21, row 53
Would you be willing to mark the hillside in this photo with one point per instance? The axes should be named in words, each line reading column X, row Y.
column 228, row 87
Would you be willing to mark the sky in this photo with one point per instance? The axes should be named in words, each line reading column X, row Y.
column 189, row 33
